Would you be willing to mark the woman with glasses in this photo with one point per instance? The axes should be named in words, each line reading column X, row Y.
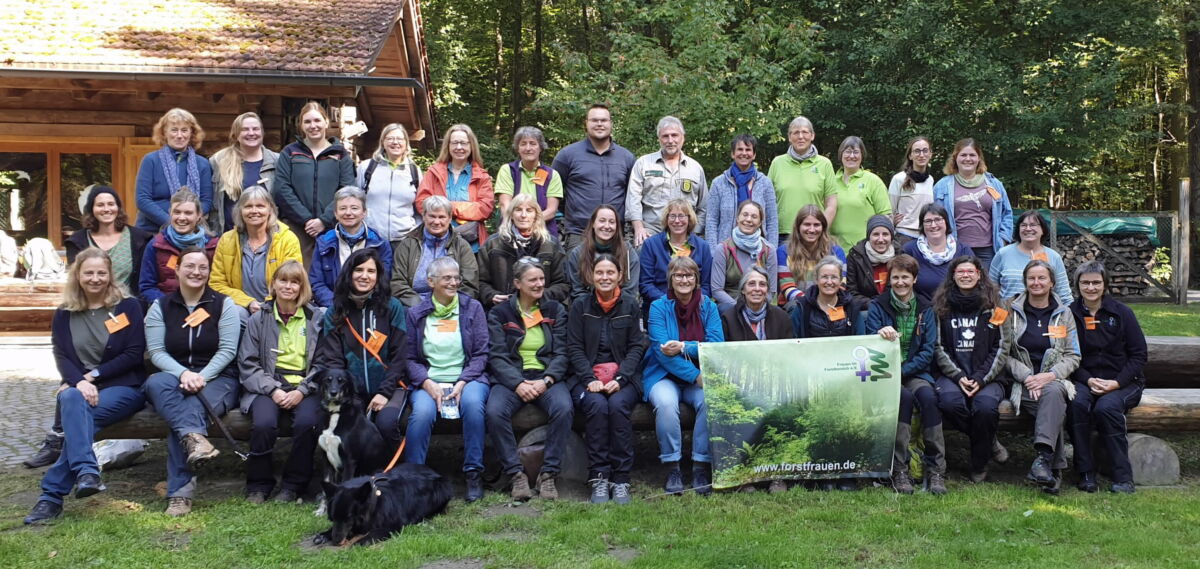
column 933, row 250
column 977, row 206
column 459, row 176
column 349, row 235
column 860, row 195
column 679, row 240
column 911, row 189
column 522, row 234
column 1032, row 236
column 390, row 179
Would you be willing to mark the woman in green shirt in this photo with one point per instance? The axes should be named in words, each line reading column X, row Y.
column 802, row 177
column 860, row 195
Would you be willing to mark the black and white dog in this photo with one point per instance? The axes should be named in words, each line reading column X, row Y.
column 367, row 509
column 351, row 443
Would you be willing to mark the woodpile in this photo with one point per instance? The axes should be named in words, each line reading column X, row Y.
column 1125, row 281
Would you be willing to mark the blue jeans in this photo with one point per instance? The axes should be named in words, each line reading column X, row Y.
column 471, row 407
column 80, row 423
column 985, row 255
column 665, row 396
column 185, row 414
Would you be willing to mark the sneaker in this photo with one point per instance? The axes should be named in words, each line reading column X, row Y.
column 600, row 490
column 1122, row 488
column 88, row 485
column 287, row 496
column 520, row 487
column 702, row 478
column 256, row 497
column 620, row 493
column 546, row 488
column 1040, row 471
column 198, row 448
column 42, row 512
column 179, row 506
column 474, row 486
column 47, row 454
column 777, row 486
column 979, row 477
column 901, row 483
column 1087, row 483
column 674, row 483
column 999, row 453
column 937, row 484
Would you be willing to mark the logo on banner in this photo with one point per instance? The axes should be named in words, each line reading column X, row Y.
column 878, row 364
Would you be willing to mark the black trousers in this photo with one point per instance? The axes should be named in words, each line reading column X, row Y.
column 977, row 416
column 503, row 402
column 608, row 431
column 1106, row 413
column 307, row 420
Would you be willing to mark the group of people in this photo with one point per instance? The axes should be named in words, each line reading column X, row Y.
column 254, row 269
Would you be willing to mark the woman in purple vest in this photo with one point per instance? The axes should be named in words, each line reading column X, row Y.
column 529, row 175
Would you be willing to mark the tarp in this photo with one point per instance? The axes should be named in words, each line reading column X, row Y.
column 801, row 409
column 1138, row 224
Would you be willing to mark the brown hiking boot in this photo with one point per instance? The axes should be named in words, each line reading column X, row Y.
column 198, row 448
column 546, row 488
column 520, row 487
column 901, row 483
column 937, row 484
column 178, row 506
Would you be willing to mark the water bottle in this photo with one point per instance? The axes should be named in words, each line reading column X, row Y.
column 449, row 405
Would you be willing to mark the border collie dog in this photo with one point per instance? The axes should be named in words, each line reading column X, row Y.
column 351, row 443
column 367, row 509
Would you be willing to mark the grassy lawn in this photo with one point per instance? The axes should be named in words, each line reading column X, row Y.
column 1168, row 319
column 1003, row 524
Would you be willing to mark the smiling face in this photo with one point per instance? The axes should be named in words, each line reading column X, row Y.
column 604, row 227
column 801, row 138
column 350, row 212
column 437, row 221
column 251, row 135
column 967, row 160
column 185, row 216
column 748, row 219
column 460, row 146
column 670, row 140
column 255, row 213
column 105, row 209
column 178, row 135
column 529, row 149
column 606, row 277
column 365, row 275
column 966, row 276
column 524, row 217
column 683, row 282
column 829, row 280
column 1030, row 231
column 313, row 124
column 677, row 221
column 902, row 283
column 1091, row 287
column 1038, row 281
column 287, row 289
column 811, row 229
column 94, row 276
column 599, row 124
column 446, row 284
column 755, row 291
column 851, row 158
column 193, row 270
column 395, row 144
column 934, row 226
column 880, row 239
column 743, row 155
column 920, row 154
column 532, row 284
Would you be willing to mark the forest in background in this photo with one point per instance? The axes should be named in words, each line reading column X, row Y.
column 1079, row 105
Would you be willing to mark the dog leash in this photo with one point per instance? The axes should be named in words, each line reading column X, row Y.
column 224, row 431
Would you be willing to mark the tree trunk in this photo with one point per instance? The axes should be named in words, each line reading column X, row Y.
column 1192, row 56
column 539, row 56
column 498, row 78
column 587, row 31
column 517, row 74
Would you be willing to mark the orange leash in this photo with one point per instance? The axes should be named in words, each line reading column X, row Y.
column 399, row 451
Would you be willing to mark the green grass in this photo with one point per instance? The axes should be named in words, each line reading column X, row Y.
column 1168, row 319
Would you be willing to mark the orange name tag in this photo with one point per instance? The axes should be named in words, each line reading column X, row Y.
column 1056, row 332
column 837, row 313
column 173, row 262
column 197, row 317
column 999, row 315
column 539, row 177
column 883, row 278
column 1041, row 257
column 116, row 323
column 375, row 340
column 992, row 192
column 1089, row 323
column 447, row 326
column 532, row 319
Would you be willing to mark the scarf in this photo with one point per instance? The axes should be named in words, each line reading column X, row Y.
column 812, row 151
column 351, row 239
column 937, row 258
column 751, row 243
column 906, row 321
column 442, row 312
column 360, row 299
column 608, row 305
column 602, row 247
column 972, row 182
column 915, row 176
column 525, row 246
column 880, row 258
column 166, row 157
column 691, row 329
column 963, row 302
column 181, row 242
column 756, row 317
column 742, row 181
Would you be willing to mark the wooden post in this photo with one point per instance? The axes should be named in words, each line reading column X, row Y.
column 1184, row 270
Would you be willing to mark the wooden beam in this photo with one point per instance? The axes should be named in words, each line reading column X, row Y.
column 68, row 130
column 216, row 97
column 192, row 87
column 84, row 95
column 13, row 93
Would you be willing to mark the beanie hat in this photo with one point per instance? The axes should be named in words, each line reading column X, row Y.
column 880, row 221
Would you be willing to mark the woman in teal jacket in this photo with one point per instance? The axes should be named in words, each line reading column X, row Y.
column 980, row 214
column 678, row 323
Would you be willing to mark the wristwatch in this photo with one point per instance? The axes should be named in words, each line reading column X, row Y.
column 547, row 381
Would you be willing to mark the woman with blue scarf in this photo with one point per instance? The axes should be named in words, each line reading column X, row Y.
column 175, row 165
column 741, row 182
column 157, row 276
column 349, row 235
column 745, row 248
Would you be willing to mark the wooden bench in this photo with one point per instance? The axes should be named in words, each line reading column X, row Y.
column 28, row 306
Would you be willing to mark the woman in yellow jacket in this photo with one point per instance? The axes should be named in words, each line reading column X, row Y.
column 248, row 255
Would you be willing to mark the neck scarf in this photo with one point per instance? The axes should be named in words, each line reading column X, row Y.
column 691, row 329
column 964, row 302
column 880, row 258
column 756, row 317
column 906, row 320
column 166, row 158
column 602, row 247
column 525, row 246
column 351, row 239
column 812, row 151
column 360, row 299
column 742, row 180
column 972, row 182
column 180, row 241
column 915, row 176
column 937, row 258
column 608, row 305
column 751, row 243
column 441, row 311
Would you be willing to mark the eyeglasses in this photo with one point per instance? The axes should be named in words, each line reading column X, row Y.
column 1031, row 226
column 933, row 221
column 851, row 152
column 677, row 217
column 394, row 140
column 922, row 151
column 684, row 276
column 966, row 272
column 450, row 279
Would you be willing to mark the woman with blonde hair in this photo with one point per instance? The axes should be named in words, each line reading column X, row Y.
column 243, row 163
column 979, row 213
column 522, row 234
column 171, row 167
column 808, row 243
column 459, row 175
column 390, row 179
column 157, row 276
column 248, row 255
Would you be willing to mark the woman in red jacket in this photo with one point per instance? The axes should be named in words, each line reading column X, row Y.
column 459, row 175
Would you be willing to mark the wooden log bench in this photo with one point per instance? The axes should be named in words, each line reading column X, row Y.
column 28, row 306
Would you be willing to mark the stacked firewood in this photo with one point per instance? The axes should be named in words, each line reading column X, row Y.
column 1124, row 280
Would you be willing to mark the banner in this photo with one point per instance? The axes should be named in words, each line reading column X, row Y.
column 801, row 409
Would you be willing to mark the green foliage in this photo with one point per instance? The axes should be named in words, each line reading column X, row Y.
column 836, row 427
column 725, row 405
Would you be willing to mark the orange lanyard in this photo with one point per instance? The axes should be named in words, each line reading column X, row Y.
column 373, row 351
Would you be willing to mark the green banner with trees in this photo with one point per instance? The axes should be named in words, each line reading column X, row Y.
column 801, row 409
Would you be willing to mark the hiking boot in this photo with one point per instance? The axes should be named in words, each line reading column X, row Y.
column 702, row 478
column 1087, row 483
column 901, row 483
column 999, row 453
column 674, row 483
column 520, row 487
column 42, row 512
column 178, row 506
column 937, row 484
column 777, row 486
column 48, row 453
column 620, row 493
column 1122, row 488
column 546, row 488
column 256, row 497
column 474, row 485
column 287, row 496
column 1040, row 472
column 1055, row 485
column 198, row 449
column 88, row 485
column 979, row 477
column 600, row 490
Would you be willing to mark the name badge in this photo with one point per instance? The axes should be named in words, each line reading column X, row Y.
column 1056, row 332
column 447, row 326
column 1041, row 257
column 173, row 262
column 532, row 319
column 999, row 315
column 197, row 317
column 116, row 323
column 837, row 313
column 1089, row 323
column 539, row 177
column 375, row 340
column 654, row 173
column 992, row 192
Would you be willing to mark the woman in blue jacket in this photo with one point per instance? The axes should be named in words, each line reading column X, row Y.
column 349, row 235
column 980, row 213
column 901, row 315
column 678, row 323
column 679, row 240
column 98, row 343
column 175, row 165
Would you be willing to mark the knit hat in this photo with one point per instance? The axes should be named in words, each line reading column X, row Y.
column 97, row 191
column 880, row 221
